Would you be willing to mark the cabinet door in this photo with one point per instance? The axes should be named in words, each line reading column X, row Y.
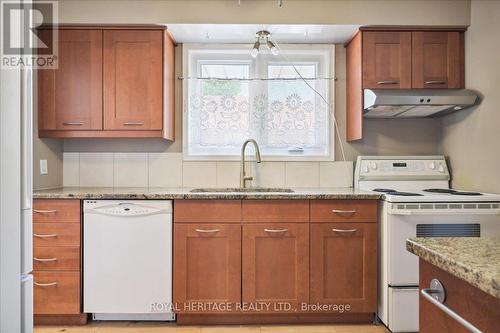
column 386, row 59
column 207, row 265
column 276, row 265
column 133, row 79
column 56, row 292
column 344, row 265
column 436, row 60
column 70, row 97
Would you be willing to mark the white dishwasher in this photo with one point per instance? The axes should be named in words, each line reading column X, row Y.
column 127, row 259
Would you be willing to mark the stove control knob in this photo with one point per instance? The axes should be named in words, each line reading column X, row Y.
column 366, row 169
column 373, row 165
column 432, row 165
column 441, row 168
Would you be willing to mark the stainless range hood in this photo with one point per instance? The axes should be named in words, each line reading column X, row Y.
column 415, row 103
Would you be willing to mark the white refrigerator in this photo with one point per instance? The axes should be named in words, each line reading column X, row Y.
column 16, row 248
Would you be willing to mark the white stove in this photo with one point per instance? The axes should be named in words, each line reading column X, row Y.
column 417, row 201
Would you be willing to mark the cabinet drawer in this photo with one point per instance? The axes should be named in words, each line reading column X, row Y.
column 256, row 211
column 343, row 211
column 56, row 234
column 45, row 211
column 56, row 258
column 56, row 292
column 209, row 211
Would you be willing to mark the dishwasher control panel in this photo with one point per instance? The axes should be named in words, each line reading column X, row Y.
column 117, row 208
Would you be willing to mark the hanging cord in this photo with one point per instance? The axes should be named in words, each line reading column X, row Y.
column 335, row 124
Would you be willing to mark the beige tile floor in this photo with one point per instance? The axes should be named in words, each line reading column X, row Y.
column 137, row 327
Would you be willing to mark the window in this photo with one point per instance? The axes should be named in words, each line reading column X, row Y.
column 230, row 97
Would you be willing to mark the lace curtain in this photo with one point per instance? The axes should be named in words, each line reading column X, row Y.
column 285, row 116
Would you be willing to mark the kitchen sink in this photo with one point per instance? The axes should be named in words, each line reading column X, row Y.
column 239, row 189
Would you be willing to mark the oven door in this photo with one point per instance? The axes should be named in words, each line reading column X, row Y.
column 432, row 220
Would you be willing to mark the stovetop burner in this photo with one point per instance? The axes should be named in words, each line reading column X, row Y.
column 466, row 193
column 450, row 191
column 394, row 192
column 384, row 190
column 405, row 194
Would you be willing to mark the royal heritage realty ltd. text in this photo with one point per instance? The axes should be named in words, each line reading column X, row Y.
column 212, row 307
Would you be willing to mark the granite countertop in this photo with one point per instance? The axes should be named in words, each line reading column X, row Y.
column 475, row 260
column 184, row 193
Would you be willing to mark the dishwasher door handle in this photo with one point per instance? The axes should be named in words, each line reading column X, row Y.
column 436, row 295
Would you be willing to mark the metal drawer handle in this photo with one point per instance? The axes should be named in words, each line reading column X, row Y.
column 344, row 230
column 275, row 230
column 50, row 284
column 344, row 212
column 72, row 123
column 207, row 230
column 388, row 82
column 45, row 235
column 41, row 211
column 44, row 259
column 436, row 295
column 131, row 123
column 435, row 82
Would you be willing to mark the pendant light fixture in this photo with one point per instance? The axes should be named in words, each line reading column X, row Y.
column 263, row 36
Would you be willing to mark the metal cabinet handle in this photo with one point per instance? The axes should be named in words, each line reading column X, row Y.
column 435, row 82
column 344, row 230
column 45, row 235
column 73, row 123
column 131, row 123
column 344, row 212
column 275, row 230
column 44, row 259
column 50, row 284
column 388, row 82
column 436, row 295
column 207, row 230
column 41, row 211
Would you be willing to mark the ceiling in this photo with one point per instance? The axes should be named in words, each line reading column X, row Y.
column 245, row 33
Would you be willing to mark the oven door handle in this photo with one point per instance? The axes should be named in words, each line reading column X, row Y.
column 442, row 212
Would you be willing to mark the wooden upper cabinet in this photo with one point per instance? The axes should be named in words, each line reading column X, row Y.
column 111, row 82
column 207, row 265
column 436, row 60
column 133, row 76
column 386, row 59
column 344, row 265
column 70, row 97
column 275, row 264
column 400, row 58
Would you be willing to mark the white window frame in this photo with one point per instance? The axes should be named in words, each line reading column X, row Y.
column 237, row 49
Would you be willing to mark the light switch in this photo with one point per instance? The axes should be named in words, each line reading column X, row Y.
column 43, row 167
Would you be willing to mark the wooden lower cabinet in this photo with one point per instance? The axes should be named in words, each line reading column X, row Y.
column 275, row 265
column 472, row 304
column 207, row 266
column 57, row 295
column 344, row 265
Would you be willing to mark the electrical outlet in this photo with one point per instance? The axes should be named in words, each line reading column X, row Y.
column 43, row 167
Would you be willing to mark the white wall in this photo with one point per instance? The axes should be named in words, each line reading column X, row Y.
column 365, row 12
column 472, row 138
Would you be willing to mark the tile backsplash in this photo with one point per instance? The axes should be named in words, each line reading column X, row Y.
column 169, row 170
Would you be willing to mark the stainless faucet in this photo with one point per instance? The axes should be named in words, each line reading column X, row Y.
column 243, row 177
